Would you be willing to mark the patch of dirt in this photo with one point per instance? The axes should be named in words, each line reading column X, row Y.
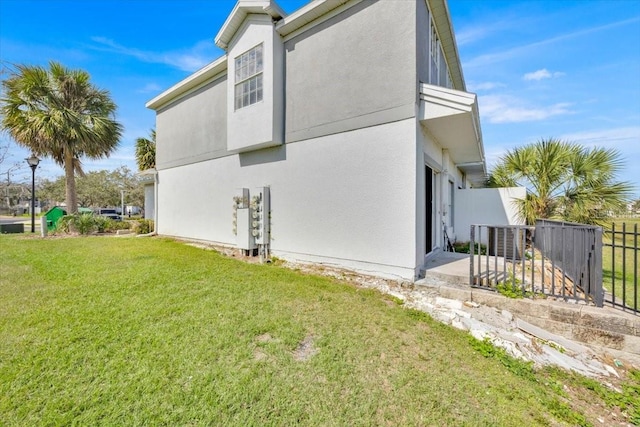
column 258, row 354
column 305, row 349
column 266, row 337
column 594, row 409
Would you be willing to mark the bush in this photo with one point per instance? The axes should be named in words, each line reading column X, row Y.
column 108, row 225
column 463, row 248
column 143, row 226
column 87, row 223
column 76, row 223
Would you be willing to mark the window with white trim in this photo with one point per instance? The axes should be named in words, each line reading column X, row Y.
column 434, row 50
column 248, row 79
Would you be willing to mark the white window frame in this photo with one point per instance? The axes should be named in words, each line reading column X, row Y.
column 434, row 51
column 248, row 67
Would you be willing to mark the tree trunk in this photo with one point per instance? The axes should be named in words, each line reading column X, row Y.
column 70, row 183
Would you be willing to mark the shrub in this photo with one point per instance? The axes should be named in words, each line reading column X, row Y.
column 463, row 248
column 102, row 223
column 143, row 226
column 76, row 223
column 111, row 226
column 87, row 223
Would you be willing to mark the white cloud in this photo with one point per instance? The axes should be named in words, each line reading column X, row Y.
column 474, row 87
column 188, row 60
column 625, row 138
column 150, row 88
column 506, row 109
column 468, row 35
column 492, row 58
column 538, row 75
column 542, row 74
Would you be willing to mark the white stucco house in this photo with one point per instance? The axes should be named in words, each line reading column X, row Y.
column 341, row 133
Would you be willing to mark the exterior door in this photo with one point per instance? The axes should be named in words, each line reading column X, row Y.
column 429, row 208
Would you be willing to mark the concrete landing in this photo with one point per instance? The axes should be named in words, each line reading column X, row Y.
column 450, row 265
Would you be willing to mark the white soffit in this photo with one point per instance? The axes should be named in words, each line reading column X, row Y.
column 240, row 12
column 452, row 118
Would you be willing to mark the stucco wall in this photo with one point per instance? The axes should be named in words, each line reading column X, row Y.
column 194, row 128
column 344, row 199
column 149, row 201
column 422, row 40
column 348, row 73
column 491, row 206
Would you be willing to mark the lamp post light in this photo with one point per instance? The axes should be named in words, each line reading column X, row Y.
column 33, row 164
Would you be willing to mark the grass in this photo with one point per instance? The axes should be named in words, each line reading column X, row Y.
column 609, row 255
column 124, row 331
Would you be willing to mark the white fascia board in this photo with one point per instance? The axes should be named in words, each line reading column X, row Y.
column 457, row 101
column 148, row 175
column 240, row 12
column 311, row 13
column 196, row 79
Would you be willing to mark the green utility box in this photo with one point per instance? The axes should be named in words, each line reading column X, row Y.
column 53, row 215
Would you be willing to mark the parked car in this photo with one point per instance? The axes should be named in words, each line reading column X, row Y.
column 109, row 213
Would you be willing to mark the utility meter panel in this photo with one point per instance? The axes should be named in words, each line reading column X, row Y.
column 242, row 220
column 260, row 215
column 244, row 237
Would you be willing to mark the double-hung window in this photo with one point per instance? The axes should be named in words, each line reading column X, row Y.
column 248, row 79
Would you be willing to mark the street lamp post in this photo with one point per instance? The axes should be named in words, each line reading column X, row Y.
column 33, row 164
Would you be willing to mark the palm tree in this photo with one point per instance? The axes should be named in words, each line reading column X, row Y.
column 58, row 113
column 564, row 181
column 146, row 152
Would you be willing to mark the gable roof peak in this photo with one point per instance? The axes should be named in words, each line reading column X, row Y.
column 240, row 12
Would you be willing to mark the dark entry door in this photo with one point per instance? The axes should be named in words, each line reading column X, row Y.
column 428, row 187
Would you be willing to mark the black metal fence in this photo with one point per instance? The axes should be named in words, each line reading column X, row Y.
column 555, row 259
column 621, row 272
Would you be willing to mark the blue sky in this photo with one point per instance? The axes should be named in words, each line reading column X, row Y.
column 566, row 69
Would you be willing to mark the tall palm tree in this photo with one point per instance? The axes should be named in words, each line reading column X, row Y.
column 58, row 113
column 564, row 181
column 146, row 152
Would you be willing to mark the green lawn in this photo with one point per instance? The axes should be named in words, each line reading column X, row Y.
column 128, row 331
column 616, row 259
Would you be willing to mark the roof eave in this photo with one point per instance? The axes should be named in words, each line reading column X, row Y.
column 194, row 80
column 307, row 14
column 240, row 12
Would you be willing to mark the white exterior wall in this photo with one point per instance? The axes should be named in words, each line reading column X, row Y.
column 343, row 199
column 149, row 201
column 490, row 206
column 431, row 156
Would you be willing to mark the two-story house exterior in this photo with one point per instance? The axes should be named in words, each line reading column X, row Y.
column 352, row 113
